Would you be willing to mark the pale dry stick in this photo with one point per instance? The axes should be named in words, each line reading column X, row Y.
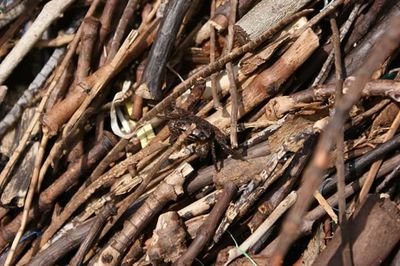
column 376, row 165
column 232, row 79
column 264, row 227
column 214, row 90
column 127, row 202
column 3, row 93
column 60, row 40
column 64, row 64
column 50, row 12
column 251, row 194
column 205, row 232
column 325, row 205
column 28, row 199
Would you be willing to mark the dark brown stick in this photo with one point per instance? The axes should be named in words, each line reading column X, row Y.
column 121, row 28
column 62, row 246
column 340, row 170
column 63, row 110
column 152, row 78
column 105, row 21
column 206, row 231
column 214, row 90
column 87, row 48
column 92, row 235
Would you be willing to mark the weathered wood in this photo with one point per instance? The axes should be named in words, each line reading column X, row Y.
column 266, row 14
column 152, row 77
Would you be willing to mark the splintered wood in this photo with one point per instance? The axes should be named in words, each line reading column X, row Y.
column 220, row 132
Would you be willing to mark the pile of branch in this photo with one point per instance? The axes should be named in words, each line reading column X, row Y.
column 187, row 132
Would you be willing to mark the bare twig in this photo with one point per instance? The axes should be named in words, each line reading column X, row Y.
column 28, row 200
column 214, row 90
column 59, row 72
column 50, row 12
column 204, row 72
column 388, row 43
column 166, row 191
column 95, row 230
column 275, row 215
column 207, row 230
column 152, row 78
column 49, row 196
column 87, row 190
column 340, row 170
column 232, row 80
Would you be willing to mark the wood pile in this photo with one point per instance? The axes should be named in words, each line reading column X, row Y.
column 189, row 132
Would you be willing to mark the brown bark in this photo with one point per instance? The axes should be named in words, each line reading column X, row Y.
column 169, row 239
column 105, row 21
column 387, row 45
column 87, row 48
column 377, row 220
column 268, row 82
column 93, row 234
column 122, row 27
column 152, row 78
column 48, row 197
column 279, row 106
column 166, row 191
column 62, row 246
column 63, row 110
column 355, row 59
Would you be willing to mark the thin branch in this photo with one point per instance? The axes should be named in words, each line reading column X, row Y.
column 50, row 12
column 232, row 80
column 340, row 170
column 59, row 72
column 28, row 200
column 387, row 45
column 214, row 90
column 207, row 230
